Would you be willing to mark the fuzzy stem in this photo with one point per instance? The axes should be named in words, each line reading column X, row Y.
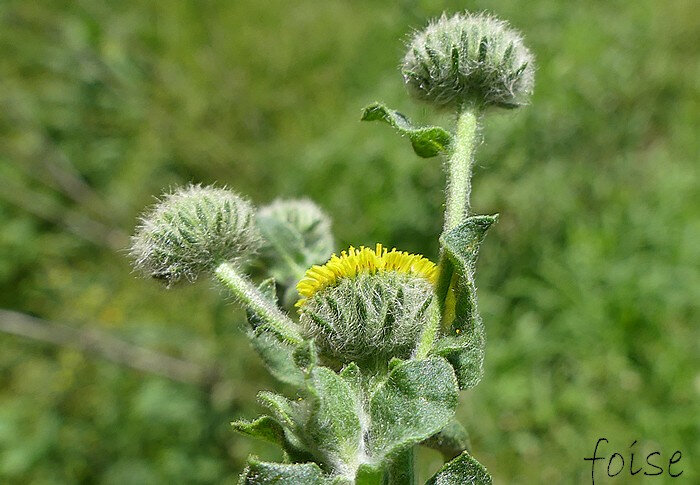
column 252, row 299
column 459, row 168
column 459, row 186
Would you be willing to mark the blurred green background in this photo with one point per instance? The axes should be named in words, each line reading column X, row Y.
column 589, row 285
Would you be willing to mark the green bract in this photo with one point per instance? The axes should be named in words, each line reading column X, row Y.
column 469, row 59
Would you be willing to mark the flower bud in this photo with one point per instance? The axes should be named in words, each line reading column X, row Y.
column 294, row 231
column 193, row 230
column 367, row 305
column 469, row 58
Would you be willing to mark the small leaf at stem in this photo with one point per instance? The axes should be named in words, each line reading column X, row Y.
column 451, row 440
column 463, row 470
column 265, row 428
column 427, row 141
column 352, row 375
column 334, row 425
column 264, row 473
column 463, row 346
column 269, row 429
column 369, row 475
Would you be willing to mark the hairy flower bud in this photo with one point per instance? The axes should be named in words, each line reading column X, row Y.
column 367, row 304
column 296, row 233
column 193, row 230
column 469, row 58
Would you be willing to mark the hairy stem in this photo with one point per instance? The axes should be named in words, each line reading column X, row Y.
column 252, row 299
column 459, row 168
column 459, row 186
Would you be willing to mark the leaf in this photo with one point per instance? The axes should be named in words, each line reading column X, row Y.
column 265, row 428
column 352, row 375
column 463, row 470
column 269, row 429
column 427, row 141
column 276, row 354
column 265, row 473
column 369, row 475
column 463, row 347
column 334, row 425
column 417, row 399
column 451, row 440
column 291, row 418
column 305, row 356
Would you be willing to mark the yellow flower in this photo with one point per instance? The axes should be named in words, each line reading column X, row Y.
column 363, row 261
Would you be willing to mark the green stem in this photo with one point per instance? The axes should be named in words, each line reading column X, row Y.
column 252, row 299
column 459, row 186
column 459, row 168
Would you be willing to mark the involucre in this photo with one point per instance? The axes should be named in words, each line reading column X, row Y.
column 369, row 317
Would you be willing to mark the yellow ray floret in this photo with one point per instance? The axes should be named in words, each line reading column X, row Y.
column 363, row 261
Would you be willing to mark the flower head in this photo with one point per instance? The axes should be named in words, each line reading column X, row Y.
column 354, row 262
column 367, row 304
column 469, row 58
column 191, row 231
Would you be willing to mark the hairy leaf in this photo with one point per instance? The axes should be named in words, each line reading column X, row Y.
column 451, row 440
column 369, row 475
column 427, row 141
column 334, row 425
column 351, row 374
column 269, row 429
column 417, row 400
column 463, row 470
column 265, row 473
column 265, row 428
column 305, row 356
column 276, row 354
column 463, row 347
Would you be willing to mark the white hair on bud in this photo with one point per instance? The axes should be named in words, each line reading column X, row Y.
column 469, row 58
column 369, row 317
column 191, row 231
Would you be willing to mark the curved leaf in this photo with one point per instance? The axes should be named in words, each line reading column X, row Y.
column 276, row 354
column 464, row 346
column 334, row 425
column 265, row 473
column 427, row 141
column 265, row 428
column 451, row 440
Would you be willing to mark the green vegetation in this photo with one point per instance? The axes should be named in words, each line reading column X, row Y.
column 588, row 284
